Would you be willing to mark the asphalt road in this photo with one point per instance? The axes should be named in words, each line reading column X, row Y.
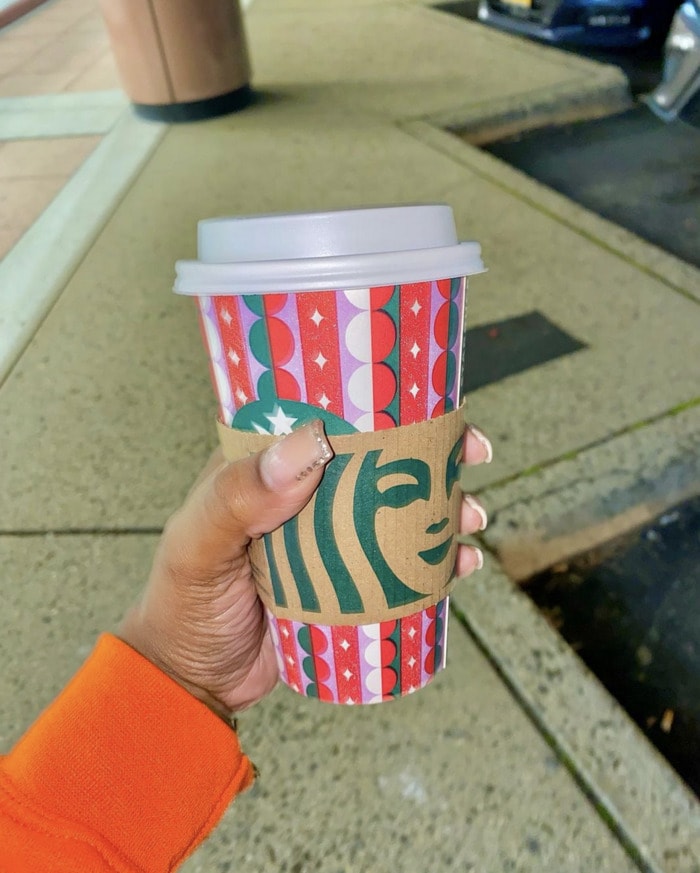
column 631, row 168
column 632, row 611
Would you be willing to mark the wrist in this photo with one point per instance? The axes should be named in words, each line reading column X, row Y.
column 131, row 632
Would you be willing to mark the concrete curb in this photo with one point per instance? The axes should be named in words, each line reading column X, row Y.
column 678, row 275
column 566, row 506
column 35, row 271
column 651, row 811
column 537, row 520
column 603, row 492
column 594, row 98
column 601, row 90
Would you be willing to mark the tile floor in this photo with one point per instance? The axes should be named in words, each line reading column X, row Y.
column 32, row 172
column 60, row 47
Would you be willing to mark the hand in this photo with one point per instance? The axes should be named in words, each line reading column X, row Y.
column 477, row 450
column 200, row 619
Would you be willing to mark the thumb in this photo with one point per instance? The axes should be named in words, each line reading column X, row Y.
column 245, row 499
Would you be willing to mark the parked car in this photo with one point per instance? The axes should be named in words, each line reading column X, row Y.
column 597, row 23
column 678, row 95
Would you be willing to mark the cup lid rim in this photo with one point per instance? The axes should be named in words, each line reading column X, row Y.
column 197, row 278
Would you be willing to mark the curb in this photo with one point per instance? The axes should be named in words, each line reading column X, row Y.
column 605, row 491
column 633, row 789
column 599, row 89
column 679, row 276
column 606, row 95
column 565, row 506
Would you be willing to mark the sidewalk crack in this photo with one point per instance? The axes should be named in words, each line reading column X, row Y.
column 82, row 531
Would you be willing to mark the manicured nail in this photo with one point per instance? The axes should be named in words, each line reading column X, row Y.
column 484, row 440
column 296, row 456
column 476, row 505
column 479, row 557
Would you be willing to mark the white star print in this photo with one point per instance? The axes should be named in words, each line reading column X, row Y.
column 411, row 689
column 281, row 423
column 290, row 660
column 348, row 673
column 414, row 389
column 350, row 701
column 411, row 633
column 226, row 315
column 317, row 318
column 411, row 661
column 241, row 395
column 416, row 308
column 233, row 357
column 320, row 360
column 286, row 632
column 324, row 401
column 415, row 348
column 345, row 645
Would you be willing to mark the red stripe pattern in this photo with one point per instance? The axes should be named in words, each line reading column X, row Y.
column 414, row 351
column 411, row 644
column 235, row 350
column 364, row 664
column 290, row 654
column 320, row 349
column 347, row 664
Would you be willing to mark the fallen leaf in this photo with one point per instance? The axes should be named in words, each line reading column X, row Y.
column 666, row 722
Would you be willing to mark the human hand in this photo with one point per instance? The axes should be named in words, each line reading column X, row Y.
column 473, row 518
column 200, row 619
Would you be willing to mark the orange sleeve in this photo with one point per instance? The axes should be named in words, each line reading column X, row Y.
column 124, row 772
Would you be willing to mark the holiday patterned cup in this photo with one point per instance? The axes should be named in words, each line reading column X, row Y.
column 375, row 357
column 357, row 609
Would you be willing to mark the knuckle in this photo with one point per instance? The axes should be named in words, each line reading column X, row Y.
column 227, row 506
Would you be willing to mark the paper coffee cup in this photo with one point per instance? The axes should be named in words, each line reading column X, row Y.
column 354, row 317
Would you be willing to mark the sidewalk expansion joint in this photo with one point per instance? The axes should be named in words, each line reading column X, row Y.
column 83, row 531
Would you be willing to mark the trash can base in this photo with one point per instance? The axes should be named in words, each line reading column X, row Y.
column 196, row 110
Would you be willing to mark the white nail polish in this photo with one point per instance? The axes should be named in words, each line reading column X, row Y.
column 479, row 557
column 485, row 442
column 474, row 504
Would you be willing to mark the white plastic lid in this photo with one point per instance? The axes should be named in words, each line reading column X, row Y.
column 308, row 251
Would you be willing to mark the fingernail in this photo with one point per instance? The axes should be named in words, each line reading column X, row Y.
column 293, row 458
column 484, row 440
column 479, row 557
column 474, row 504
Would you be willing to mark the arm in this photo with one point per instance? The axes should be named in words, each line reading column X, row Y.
column 125, row 771
column 135, row 762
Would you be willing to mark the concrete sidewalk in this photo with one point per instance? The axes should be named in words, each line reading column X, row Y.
column 515, row 759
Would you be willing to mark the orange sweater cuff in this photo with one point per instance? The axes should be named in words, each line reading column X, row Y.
column 126, row 761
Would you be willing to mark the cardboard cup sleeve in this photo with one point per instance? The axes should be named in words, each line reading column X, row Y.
column 356, row 586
